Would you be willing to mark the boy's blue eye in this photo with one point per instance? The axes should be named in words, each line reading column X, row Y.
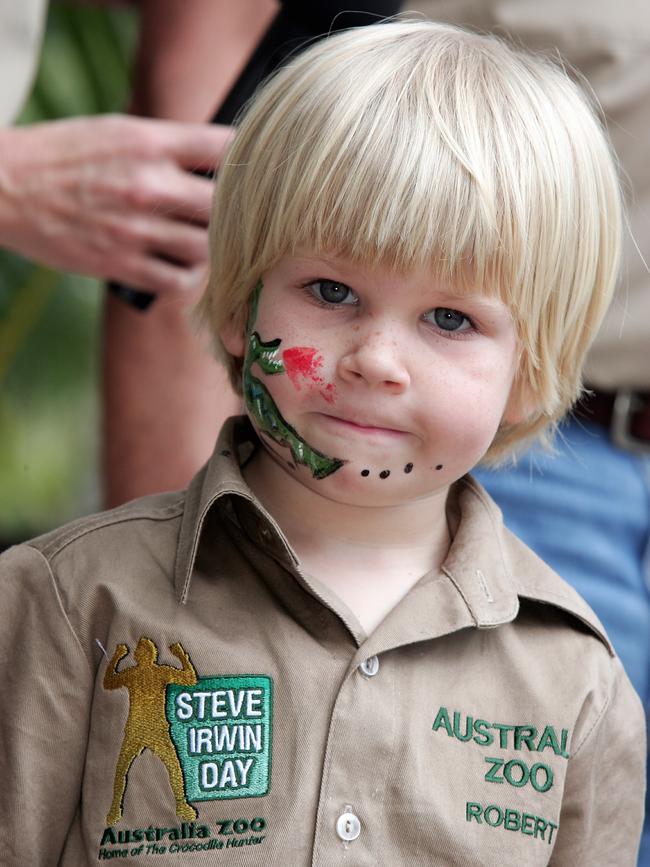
column 449, row 320
column 332, row 292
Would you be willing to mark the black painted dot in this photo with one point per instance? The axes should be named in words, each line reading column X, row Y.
column 225, row 453
column 439, row 467
column 365, row 472
column 384, row 474
column 408, row 468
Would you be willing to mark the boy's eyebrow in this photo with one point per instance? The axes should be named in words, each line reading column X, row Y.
column 305, row 259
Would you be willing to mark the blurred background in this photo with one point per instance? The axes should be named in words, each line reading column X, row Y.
column 49, row 322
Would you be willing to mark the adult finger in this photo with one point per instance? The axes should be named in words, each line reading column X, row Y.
column 150, row 273
column 177, row 240
column 166, row 190
column 196, row 146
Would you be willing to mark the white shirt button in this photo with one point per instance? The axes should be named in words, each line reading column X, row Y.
column 348, row 826
column 370, row 666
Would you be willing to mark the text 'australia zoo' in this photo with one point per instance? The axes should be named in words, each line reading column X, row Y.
column 507, row 736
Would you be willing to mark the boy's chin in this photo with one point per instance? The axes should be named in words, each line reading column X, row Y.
column 348, row 486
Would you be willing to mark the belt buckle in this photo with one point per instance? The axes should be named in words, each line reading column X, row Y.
column 626, row 403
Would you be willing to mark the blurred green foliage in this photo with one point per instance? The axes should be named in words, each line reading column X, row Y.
column 49, row 322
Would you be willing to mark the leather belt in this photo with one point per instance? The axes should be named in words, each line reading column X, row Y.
column 626, row 414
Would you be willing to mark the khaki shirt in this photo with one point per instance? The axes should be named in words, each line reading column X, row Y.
column 21, row 32
column 486, row 721
column 609, row 43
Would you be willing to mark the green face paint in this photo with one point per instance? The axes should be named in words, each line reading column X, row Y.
column 264, row 409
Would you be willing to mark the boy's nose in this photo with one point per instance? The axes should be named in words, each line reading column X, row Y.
column 376, row 360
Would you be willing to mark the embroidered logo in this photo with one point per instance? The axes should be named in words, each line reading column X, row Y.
column 147, row 726
column 213, row 734
column 222, row 731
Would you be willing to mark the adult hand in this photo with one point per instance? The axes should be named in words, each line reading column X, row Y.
column 111, row 196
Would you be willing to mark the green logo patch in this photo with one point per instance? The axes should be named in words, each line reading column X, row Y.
column 221, row 728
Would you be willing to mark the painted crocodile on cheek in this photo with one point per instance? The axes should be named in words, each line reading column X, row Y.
column 264, row 409
column 302, row 364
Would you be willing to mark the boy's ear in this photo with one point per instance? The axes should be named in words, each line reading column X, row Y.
column 233, row 339
column 521, row 404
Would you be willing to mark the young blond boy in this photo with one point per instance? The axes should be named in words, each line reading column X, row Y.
column 328, row 650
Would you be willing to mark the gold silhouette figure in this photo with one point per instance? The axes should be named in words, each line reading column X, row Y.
column 147, row 726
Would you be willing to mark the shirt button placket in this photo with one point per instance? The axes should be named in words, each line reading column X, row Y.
column 361, row 735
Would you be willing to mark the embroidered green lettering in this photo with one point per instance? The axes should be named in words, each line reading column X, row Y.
column 482, row 736
column 442, row 719
column 108, row 837
column 493, row 815
column 564, row 736
column 467, row 734
column 546, row 772
column 540, row 827
column 503, row 733
column 517, row 773
column 526, row 735
column 512, row 820
column 549, row 739
column 528, row 822
column 464, row 727
column 520, row 777
column 107, row 854
column 492, row 775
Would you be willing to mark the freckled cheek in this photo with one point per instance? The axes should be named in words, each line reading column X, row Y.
column 465, row 411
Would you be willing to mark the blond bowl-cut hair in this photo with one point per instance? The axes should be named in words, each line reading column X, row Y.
column 411, row 143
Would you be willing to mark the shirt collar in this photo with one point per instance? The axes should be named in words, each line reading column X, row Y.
column 494, row 571
column 222, row 477
column 487, row 567
column 476, row 563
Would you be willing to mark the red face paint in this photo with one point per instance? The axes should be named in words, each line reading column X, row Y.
column 302, row 364
column 328, row 393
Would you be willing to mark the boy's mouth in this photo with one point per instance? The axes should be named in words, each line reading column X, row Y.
column 363, row 427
